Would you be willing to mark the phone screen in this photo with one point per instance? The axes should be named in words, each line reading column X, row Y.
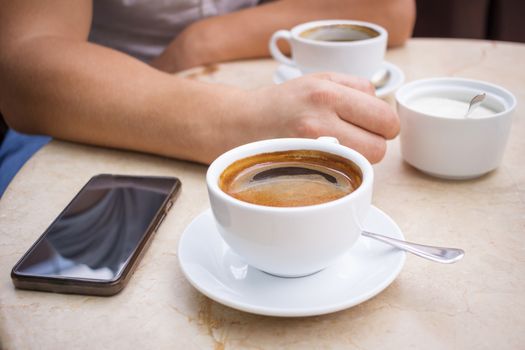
column 99, row 231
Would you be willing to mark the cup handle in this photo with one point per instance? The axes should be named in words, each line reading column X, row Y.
column 274, row 49
column 328, row 139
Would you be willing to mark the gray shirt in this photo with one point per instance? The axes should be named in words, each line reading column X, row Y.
column 143, row 28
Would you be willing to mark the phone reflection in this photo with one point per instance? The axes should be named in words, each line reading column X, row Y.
column 97, row 234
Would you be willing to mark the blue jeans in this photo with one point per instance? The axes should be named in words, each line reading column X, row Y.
column 15, row 150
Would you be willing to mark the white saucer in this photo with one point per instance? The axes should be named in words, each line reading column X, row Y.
column 285, row 72
column 212, row 268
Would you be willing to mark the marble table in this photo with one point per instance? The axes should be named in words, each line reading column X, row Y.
column 477, row 303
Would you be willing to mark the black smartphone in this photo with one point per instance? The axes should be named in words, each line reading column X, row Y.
column 95, row 243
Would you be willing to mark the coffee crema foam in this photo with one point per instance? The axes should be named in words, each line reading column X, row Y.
column 339, row 32
column 290, row 178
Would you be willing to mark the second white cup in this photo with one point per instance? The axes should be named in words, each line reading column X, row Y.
column 351, row 47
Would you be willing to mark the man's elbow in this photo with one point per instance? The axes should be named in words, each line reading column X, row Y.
column 17, row 98
column 399, row 38
column 19, row 122
column 400, row 22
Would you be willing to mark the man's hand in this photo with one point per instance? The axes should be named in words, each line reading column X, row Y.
column 325, row 104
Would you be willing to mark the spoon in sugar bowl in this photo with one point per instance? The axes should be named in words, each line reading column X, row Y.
column 474, row 103
column 437, row 254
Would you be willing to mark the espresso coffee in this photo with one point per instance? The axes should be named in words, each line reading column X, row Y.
column 290, row 178
column 339, row 32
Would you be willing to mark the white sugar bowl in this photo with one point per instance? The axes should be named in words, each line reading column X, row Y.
column 436, row 136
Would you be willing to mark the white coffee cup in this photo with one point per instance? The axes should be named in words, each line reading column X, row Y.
column 439, row 140
column 363, row 57
column 290, row 241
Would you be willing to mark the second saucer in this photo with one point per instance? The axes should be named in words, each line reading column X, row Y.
column 285, row 72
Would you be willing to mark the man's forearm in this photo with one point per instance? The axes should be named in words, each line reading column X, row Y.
column 83, row 92
column 245, row 34
column 54, row 82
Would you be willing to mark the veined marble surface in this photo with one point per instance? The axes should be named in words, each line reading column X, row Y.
column 477, row 303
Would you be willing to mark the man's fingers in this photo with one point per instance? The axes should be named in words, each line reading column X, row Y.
column 353, row 99
column 353, row 106
column 369, row 144
column 367, row 112
column 350, row 81
column 343, row 107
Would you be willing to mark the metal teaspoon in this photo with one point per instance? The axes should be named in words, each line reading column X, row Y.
column 474, row 103
column 380, row 78
column 438, row 254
